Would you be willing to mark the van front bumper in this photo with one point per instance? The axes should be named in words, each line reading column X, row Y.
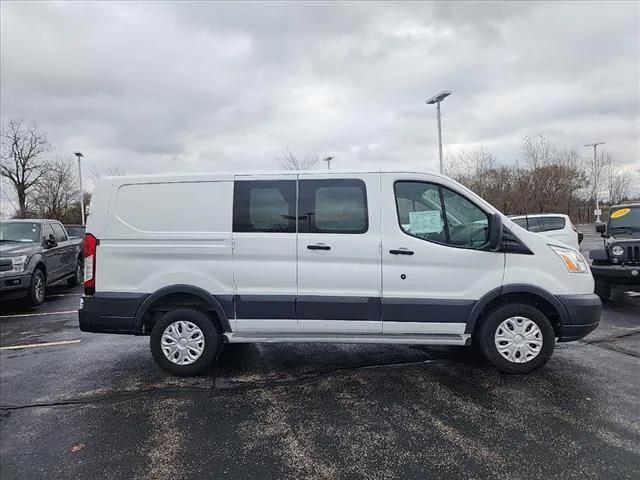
column 109, row 312
column 583, row 314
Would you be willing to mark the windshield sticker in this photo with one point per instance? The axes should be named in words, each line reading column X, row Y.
column 620, row 213
column 425, row 222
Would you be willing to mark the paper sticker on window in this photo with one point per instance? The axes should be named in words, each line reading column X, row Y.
column 620, row 213
column 429, row 221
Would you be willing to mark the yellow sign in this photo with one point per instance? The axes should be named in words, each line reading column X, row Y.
column 620, row 213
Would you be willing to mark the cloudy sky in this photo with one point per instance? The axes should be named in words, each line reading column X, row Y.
column 158, row 87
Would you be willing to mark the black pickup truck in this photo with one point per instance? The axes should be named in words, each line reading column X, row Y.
column 618, row 261
column 35, row 254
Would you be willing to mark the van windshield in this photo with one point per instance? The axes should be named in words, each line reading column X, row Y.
column 22, row 232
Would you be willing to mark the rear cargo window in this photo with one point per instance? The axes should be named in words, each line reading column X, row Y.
column 264, row 206
column 176, row 207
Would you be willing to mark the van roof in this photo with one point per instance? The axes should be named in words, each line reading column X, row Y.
column 231, row 174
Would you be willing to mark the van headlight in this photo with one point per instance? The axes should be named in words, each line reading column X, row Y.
column 617, row 250
column 573, row 260
column 18, row 263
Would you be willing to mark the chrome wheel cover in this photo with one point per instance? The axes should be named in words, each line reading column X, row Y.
column 38, row 288
column 518, row 339
column 182, row 342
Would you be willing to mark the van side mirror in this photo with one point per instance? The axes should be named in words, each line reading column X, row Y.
column 600, row 227
column 495, row 232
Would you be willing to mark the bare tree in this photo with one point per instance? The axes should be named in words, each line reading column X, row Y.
column 56, row 193
column 23, row 159
column 538, row 151
column 596, row 170
column 618, row 180
column 290, row 162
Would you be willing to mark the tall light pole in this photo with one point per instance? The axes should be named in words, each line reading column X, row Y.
column 437, row 99
column 328, row 160
column 596, row 174
column 79, row 155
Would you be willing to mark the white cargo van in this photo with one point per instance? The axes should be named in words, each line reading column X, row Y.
column 398, row 257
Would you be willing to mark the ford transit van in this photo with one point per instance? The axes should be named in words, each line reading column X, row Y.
column 396, row 257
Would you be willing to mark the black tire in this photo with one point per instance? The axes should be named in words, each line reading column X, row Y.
column 212, row 342
column 492, row 323
column 37, row 288
column 603, row 290
column 78, row 277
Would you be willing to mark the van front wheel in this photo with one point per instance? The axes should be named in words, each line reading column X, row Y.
column 185, row 342
column 517, row 338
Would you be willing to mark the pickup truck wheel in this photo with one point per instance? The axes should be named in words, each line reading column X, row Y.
column 37, row 288
column 603, row 290
column 517, row 338
column 78, row 277
column 185, row 342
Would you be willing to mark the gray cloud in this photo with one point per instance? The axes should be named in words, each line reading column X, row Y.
column 206, row 86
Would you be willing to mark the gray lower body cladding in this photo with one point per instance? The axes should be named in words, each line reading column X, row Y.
column 121, row 312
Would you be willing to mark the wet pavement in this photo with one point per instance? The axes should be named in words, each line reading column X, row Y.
column 100, row 408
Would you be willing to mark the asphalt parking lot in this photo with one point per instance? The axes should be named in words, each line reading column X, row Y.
column 96, row 406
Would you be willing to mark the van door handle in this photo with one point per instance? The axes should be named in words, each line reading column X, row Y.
column 319, row 246
column 401, row 251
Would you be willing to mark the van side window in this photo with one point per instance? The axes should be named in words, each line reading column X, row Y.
column 264, row 206
column 60, row 235
column 434, row 213
column 467, row 224
column 552, row 223
column 420, row 210
column 332, row 206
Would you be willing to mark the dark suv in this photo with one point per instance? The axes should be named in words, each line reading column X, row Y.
column 618, row 262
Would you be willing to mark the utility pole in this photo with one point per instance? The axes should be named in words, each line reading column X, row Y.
column 79, row 155
column 596, row 175
column 437, row 99
column 328, row 160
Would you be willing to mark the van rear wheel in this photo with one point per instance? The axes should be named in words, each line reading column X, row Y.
column 184, row 342
column 517, row 338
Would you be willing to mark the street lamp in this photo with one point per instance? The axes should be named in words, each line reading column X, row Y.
column 328, row 160
column 79, row 155
column 596, row 175
column 437, row 99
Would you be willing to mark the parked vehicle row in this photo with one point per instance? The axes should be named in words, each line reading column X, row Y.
column 35, row 254
column 397, row 257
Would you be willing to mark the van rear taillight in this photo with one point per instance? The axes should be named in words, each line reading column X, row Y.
column 90, row 244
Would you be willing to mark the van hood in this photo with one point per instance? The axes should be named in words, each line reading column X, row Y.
column 552, row 242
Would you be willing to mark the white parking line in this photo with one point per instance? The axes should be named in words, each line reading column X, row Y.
column 66, row 312
column 65, row 295
column 49, row 344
